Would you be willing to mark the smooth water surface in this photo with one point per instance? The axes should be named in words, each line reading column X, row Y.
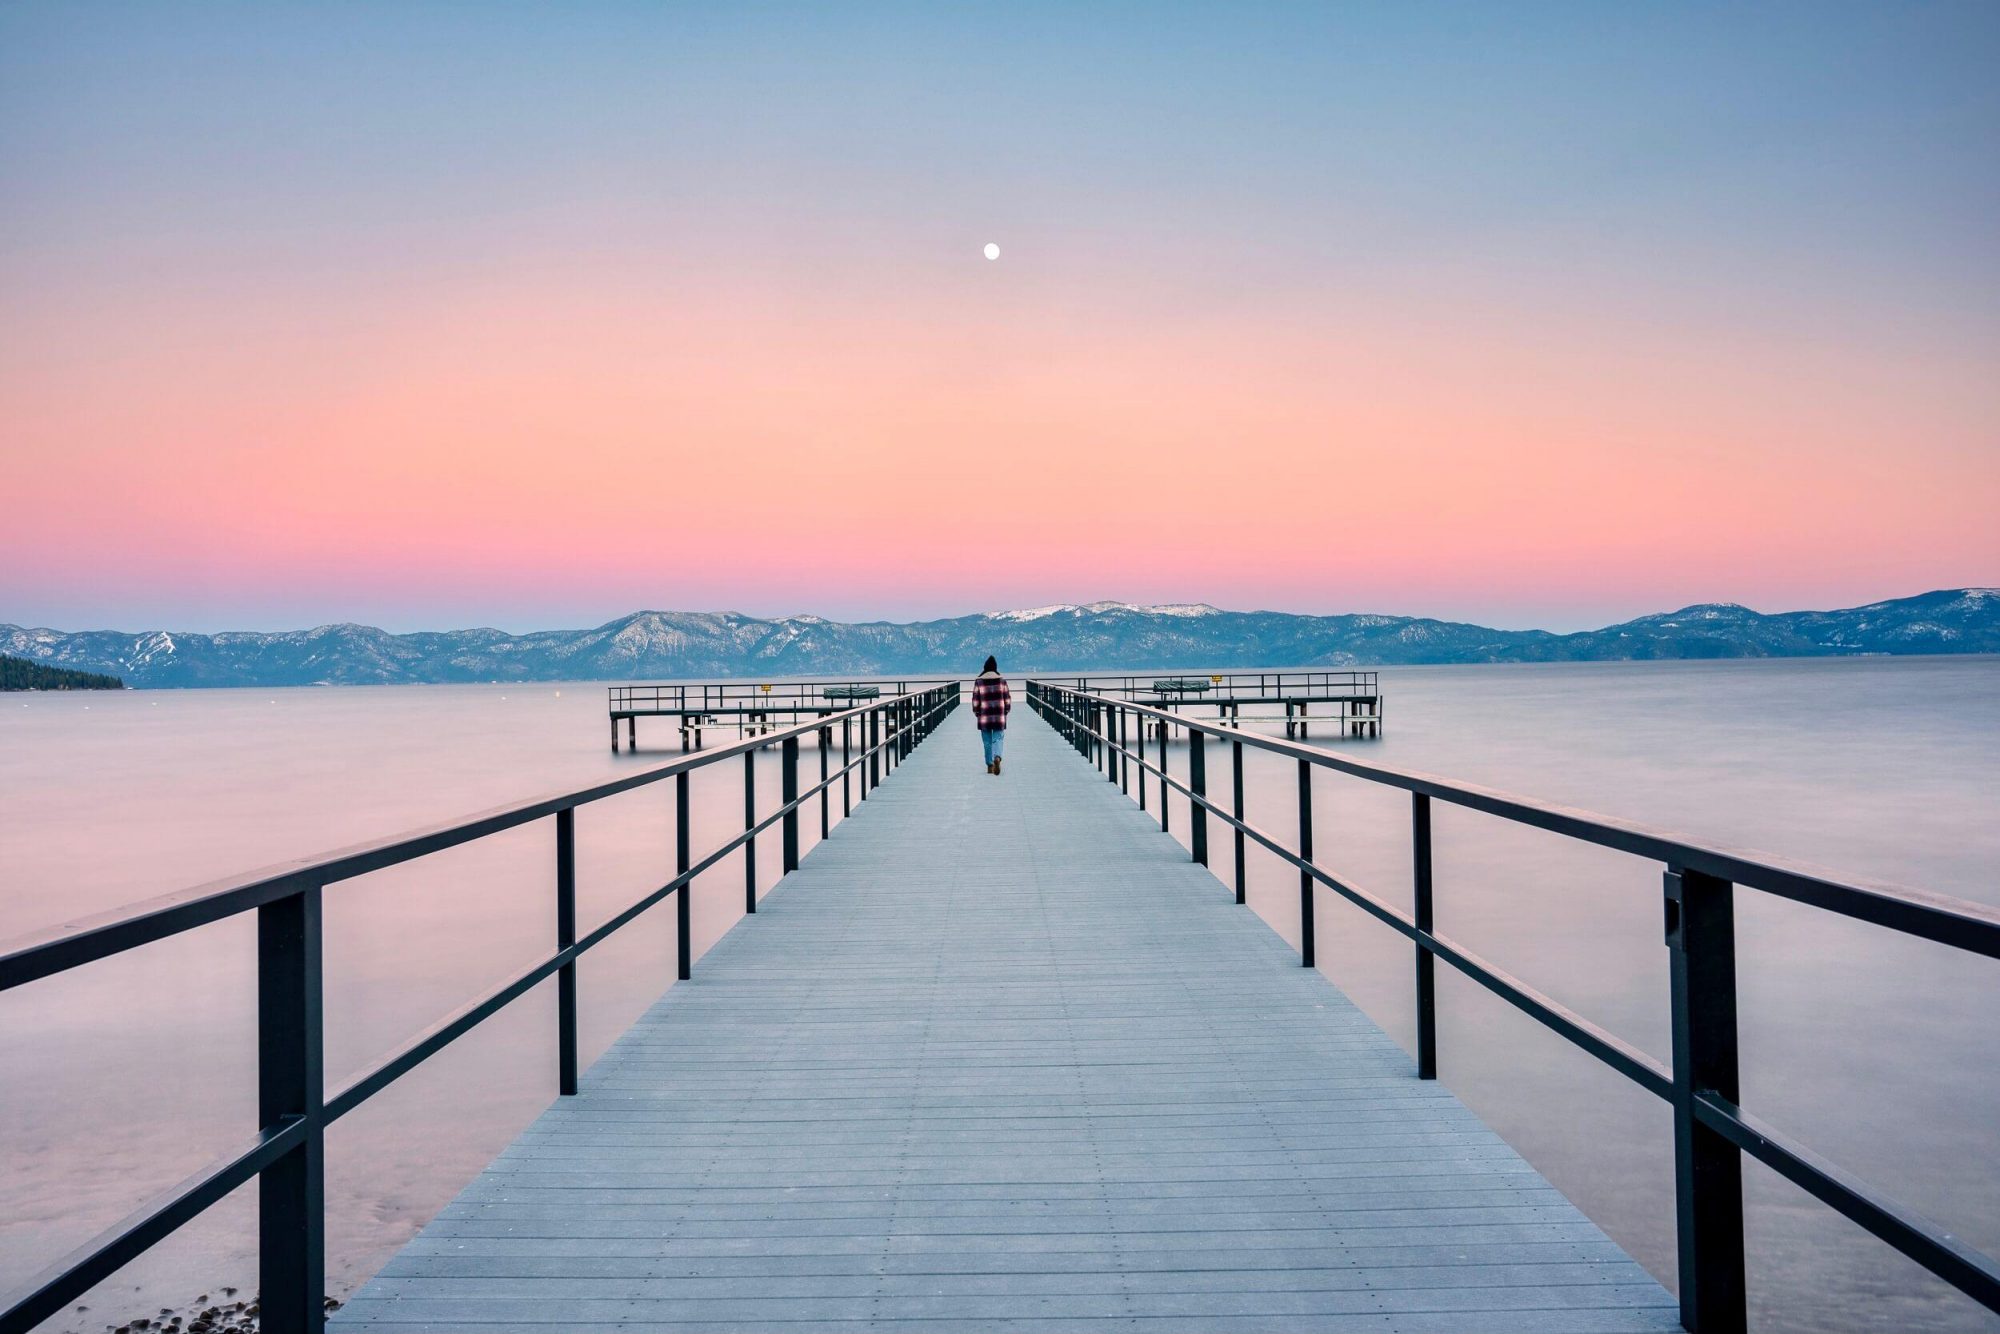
column 1881, row 1054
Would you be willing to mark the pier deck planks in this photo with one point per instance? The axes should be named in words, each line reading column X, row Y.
column 998, row 1056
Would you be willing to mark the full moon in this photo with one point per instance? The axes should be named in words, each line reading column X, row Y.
column 992, row 251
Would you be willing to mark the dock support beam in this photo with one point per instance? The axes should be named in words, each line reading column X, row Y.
column 1708, row 1169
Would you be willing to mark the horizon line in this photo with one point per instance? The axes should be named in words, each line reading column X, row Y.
column 1027, row 613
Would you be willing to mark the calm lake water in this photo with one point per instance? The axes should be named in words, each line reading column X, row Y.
column 1881, row 1054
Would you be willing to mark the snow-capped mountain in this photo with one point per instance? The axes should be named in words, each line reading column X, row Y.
column 1091, row 636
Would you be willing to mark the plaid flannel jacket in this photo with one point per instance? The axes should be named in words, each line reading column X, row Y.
column 990, row 702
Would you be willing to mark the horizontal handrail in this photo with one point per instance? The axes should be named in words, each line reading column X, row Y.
column 286, row 1156
column 151, row 1223
column 1194, row 686
column 83, row 940
column 1960, row 923
column 781, row 694
column 1711, row 1131
column 1613, row 1051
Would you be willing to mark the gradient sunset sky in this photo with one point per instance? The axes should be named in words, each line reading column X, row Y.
column 447, row 315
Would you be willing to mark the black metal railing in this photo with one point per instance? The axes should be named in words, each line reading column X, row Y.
column 1711, row 1131
column 1274, row 686
column 285, row 1155
column 734, row 696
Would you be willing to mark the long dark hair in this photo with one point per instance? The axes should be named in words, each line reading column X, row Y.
column 991, row 666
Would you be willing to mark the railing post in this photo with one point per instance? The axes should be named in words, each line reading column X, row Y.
column 1198, row 780
column 1236, row 795
column 1305, row 855
column 825, row 797
column 749, row 823
column 1166, row 793
column 790, row 792
column 683, row 858
column 846, row 773
column 291, row 1084
column 566, row 937
column 1124, row 760
column 1142, row 762
column 1420, row 860
column 874, row 751
column 1708, row 1169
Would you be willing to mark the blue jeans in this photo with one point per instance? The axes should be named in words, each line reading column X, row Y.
column 992, row 740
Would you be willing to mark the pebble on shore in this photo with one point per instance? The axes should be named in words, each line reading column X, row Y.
column 201, row 1316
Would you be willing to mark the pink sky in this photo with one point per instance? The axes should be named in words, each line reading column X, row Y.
column 809, row 392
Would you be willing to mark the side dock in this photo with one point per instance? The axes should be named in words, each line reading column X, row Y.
column 751, row 708
column 1349, row 702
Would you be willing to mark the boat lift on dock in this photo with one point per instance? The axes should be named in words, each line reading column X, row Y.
column 1355, row 698
column 753, row 708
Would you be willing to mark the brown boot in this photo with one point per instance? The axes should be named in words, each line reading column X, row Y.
column 996, row 768
column 993, row 766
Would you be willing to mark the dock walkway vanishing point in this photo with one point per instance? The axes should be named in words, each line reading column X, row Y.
column 1000, row 1056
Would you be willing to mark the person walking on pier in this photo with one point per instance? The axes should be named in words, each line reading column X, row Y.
column 990, row 702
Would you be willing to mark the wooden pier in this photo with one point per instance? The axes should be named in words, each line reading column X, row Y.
column 999, row 1056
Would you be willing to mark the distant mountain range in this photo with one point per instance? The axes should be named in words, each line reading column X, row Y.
column 1096, row 636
